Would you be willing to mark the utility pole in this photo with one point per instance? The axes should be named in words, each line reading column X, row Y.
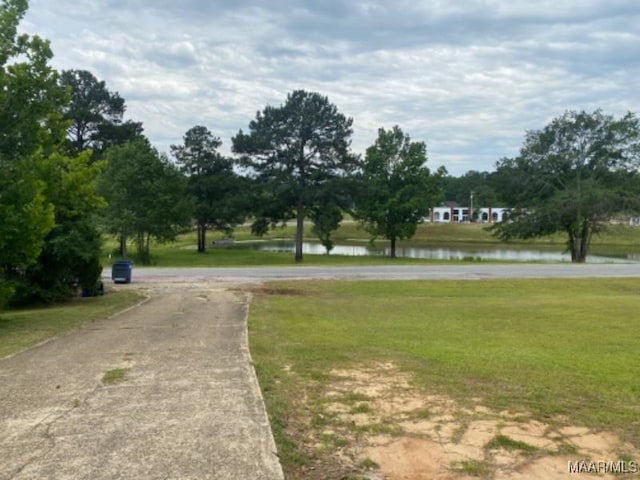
column 471, row 208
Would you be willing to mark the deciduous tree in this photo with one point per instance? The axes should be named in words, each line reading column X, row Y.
column 567, row 178
column 397, row 188
column 215, row 187
column 31, row 134
column 146, row 194
column 326, row 213
column 480, row 185
column 70, row 256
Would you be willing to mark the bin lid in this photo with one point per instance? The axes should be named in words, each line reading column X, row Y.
column 128, row 263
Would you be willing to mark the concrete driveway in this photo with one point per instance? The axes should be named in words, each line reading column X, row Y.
column 188, row 407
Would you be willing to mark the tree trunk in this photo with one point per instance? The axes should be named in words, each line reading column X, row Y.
column 123, row 245
column 140, row 244
column 299, row 229
column 585, row 237
column 202, row 237
column 579, row 240
column 141, row 247
column 147, row 250
column 575, row 253
column 392, row 253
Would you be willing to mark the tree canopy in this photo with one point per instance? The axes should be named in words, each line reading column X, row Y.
column 480, row 185
column 216, row 188
column 95, row 114
column 146, row 194
column 567, row 178
column 45, row 197
column 292, row 151
column 70, row 255
column 571, row 176
column 397, row 188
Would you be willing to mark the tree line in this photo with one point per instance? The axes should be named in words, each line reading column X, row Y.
column 71, row 168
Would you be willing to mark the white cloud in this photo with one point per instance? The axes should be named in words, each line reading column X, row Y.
column 468, row 77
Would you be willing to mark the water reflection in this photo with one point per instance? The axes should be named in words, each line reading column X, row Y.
column 500, row 254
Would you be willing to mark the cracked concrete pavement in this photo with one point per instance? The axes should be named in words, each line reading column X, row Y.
column 188, row 407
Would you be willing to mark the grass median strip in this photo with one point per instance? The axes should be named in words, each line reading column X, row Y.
column 560, row 351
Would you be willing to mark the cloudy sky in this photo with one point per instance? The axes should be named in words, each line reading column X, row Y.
column 468, row 77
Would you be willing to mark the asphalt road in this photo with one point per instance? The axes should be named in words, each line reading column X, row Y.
column 390, row 272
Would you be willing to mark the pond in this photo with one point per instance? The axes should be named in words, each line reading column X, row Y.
column 434, row 253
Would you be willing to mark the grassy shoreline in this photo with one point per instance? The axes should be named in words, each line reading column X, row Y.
column 617, row 240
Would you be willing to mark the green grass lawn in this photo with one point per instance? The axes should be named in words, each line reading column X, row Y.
column 554, row 348
column 23, row 328
column 616, row 240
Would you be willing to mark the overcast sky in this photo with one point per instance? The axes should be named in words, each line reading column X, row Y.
column 467, row 77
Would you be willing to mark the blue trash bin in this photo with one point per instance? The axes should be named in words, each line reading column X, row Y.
column 121, row 271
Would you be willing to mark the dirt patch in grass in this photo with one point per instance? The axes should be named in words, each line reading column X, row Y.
column 372, row 423
column 266, row 290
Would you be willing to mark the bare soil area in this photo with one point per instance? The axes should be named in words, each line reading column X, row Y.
column 381, row 427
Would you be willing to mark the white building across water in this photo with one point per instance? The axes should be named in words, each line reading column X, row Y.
column 453, row 214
